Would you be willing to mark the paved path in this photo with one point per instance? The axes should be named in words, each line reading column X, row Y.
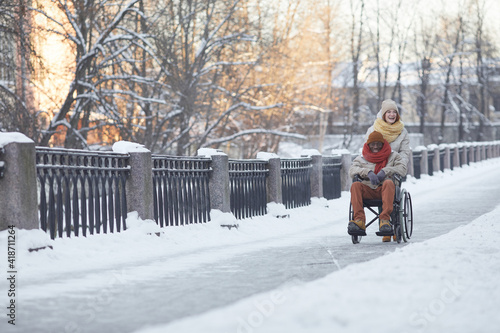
column 126, row 307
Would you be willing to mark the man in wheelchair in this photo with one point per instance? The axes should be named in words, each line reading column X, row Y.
column 375, row 167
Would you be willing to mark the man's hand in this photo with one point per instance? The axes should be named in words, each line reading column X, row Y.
column 373, row 178
column 381, row 175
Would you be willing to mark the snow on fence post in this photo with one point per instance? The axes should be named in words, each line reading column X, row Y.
column 273, row 182
column 18, row 195
column 139, row 184
column 316, row 172
column 218, row 183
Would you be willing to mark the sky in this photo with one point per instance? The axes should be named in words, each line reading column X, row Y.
column 447, row 283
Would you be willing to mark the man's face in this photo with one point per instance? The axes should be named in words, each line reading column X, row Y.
column 375, row 146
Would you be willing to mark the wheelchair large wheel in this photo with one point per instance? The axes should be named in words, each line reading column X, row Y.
column 406, row 216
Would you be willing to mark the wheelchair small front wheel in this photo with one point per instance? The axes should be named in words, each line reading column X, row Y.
column 356, row 239
column 398, row 232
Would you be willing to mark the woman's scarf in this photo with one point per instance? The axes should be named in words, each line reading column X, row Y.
column 390, row 132
column 380, row 159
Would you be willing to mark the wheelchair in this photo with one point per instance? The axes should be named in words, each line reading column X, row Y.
column 401, row 216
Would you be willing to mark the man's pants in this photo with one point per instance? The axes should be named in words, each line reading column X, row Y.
column 361, row 191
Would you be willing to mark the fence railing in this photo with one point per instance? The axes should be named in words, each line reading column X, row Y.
column 247, row 181
column 181, row 192
column 296, row 182
column 86, row 192
column 81, row 191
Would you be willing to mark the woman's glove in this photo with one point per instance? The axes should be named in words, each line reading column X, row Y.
column 381, row 175
column 373, row 178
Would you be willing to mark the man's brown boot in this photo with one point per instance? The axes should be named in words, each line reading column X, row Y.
column 356, row 227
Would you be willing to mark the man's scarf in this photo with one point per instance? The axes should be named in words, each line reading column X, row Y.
column 389, row 131
column 380, row 159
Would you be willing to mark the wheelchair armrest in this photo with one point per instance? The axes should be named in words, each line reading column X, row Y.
column 397, row 178
column 357, row 178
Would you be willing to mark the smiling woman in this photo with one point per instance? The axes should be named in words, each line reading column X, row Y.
column 390, row 125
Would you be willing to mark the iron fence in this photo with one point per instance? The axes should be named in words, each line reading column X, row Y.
column 331, row 177
column 248, row 187
column 462, row 160
column 430, row 157
column 452, row 158
column 417, row 157
column 81, row 191
column 181, row 191
column 442, row 152
column 296, row 182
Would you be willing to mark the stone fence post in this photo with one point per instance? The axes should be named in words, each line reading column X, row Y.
column 220, row 193
column 479, row 152
column 316, row 174
column 273, row 184
column 436, row 159
column 273, row 181
column 410, row 168
column 345, row 179
column 472, row 152
column 424, row 163
column 447, row 155
column 465, row 152
column 455, row 163
column 139, row 185
column 18, row 194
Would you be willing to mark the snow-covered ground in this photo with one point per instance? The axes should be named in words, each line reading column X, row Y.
column 444, row 284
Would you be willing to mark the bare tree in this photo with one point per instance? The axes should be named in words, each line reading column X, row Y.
column 203, row 47
column 451, row 50
column 16, row 57
column 424, row 44
column 94, row 30
column 356, row 42
column 484, row 54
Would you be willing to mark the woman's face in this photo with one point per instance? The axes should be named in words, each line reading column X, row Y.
column 391, row 116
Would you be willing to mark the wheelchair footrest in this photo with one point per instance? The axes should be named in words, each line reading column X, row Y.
column 356, row 232
column 387, row 233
